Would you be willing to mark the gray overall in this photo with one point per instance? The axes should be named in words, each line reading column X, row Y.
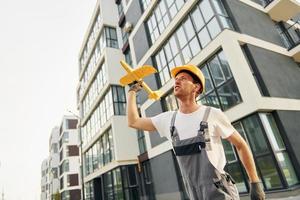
column 201, row 179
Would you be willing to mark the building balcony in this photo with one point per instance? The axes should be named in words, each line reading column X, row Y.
column 282, row 10
column 290, row 34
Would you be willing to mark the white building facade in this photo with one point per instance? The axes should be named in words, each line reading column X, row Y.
column 109, row 147
column 69, row 159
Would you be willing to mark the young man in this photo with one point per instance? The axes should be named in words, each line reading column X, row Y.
column 195, row 132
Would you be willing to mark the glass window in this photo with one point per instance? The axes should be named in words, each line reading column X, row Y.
column 208, row 81
column 118, row 191
column 268, row 162
column 225, row 92
column 272, row 131
column 219, row 7
column 207, row 10
column 111, row 37
column 119, row 100
column 141, row 141
column 111, row 144
column 229, row 95
column 161, row 16
column 255, row 134
column 216, row 72
column 236, row 173
column 204, row 37
column 214, row 27
column 197, row 19
column 211, row 99
column 128, row 58
column 108, row 186
column 182, row 38
column 224, row 65
column 229, row 152
column 287, row 168
column 193, row 34
column 269, row 173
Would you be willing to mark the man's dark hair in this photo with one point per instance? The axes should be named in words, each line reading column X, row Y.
column 195, row 78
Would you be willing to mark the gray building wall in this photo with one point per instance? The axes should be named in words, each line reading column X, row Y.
column 280, row 73
column 164, row 177
column 140, row 42
column 133, row 13
column 289, row 126
column 253, row 22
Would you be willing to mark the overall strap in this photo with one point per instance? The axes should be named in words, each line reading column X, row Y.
column 203, row 123
column 172, row 127
column 206, row 114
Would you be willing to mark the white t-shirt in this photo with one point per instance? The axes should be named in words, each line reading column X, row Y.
column 187, row 126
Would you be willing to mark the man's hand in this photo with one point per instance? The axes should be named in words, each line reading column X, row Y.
column 256, row 192
column 136, row 86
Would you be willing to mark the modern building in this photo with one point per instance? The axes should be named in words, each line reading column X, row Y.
column 50, row 166
column 109, row 147
column 69, row 159
column 44, row 180
column 61, row 170
column 249, row 51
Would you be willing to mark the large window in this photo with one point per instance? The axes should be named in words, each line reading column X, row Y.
column 111, row 37
column 128, row 57
column 118, row 184
column 144, row 4
column 271, row 158
column 290, row 34
column 94, row 90
column 88, row 47
column 141, row 141
column 100, row 153
column 64, row 167
column 220, row 88
column 162, row 14
column 203, row 24
column 107, row 38
column 89, row 191
column 119, row 100
column 64, row 139
column 112, row 103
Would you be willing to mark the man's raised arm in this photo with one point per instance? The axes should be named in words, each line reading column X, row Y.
column 133, row 118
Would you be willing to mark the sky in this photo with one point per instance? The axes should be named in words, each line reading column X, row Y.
column 39, row 46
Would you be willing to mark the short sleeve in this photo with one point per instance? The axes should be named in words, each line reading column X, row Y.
column 162, row 123
column 223, row 126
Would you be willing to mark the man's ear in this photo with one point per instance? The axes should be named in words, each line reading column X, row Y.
column 198, row 88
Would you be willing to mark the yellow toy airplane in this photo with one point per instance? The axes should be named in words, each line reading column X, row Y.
column 137, row 75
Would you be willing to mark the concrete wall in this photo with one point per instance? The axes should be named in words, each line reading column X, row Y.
column 253, row 22
column 289, row 126
column 279, row 73
column 141, row 44
column 133, row 12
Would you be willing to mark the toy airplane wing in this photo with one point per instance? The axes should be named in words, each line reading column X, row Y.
column 137, row 74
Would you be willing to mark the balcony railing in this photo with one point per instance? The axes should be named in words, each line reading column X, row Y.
column 290, row 34
column 265, row 3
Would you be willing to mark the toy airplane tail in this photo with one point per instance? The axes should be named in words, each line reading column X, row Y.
column 138, row 75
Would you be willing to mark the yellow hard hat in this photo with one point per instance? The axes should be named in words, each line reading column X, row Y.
column 194, row 70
